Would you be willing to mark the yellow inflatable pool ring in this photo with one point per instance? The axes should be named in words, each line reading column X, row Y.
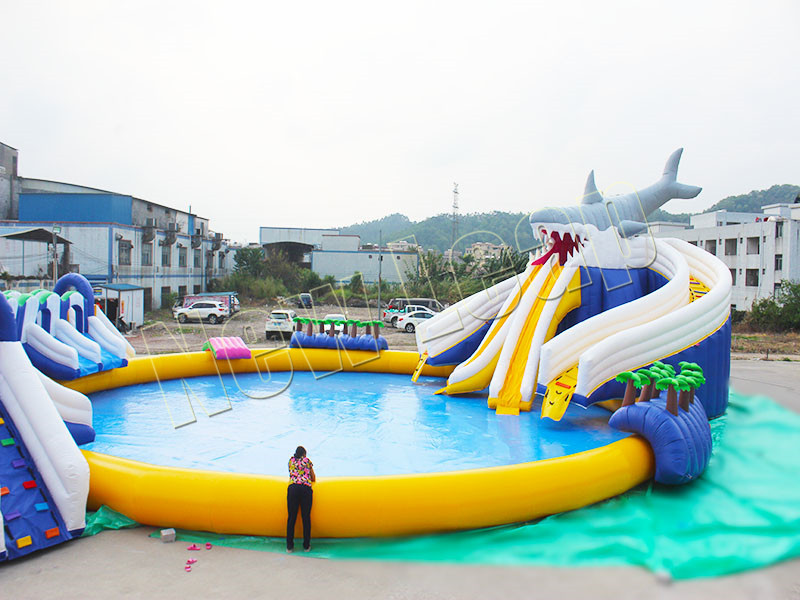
column 346, row 506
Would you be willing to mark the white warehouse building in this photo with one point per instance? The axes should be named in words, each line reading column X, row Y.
column 342, row 257
column 761, row 250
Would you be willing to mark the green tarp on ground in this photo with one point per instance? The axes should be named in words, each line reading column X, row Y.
column 743, row 513
column 105, row 518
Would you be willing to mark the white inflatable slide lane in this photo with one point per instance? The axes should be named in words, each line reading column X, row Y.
column 668, row 334
column 567, row 349
column 71, row 405
column 462, row 319
column 475, row 373
column 40, row 340
column 58, row 460
column 513, row 382
column 64, row 331
column 100, row 324
column 528, row 386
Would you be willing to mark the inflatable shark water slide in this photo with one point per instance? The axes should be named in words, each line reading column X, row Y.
column 605, row 297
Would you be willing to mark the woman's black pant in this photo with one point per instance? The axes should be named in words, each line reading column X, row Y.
column 299, row 496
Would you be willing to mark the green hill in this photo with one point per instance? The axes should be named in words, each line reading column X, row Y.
column 752, row 202
column 437, row 232
column 513, row 229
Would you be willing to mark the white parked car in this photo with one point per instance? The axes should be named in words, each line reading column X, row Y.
column 392, row 316
column 410, row 321
column 336, row 317
column 280, row 324
column 202, row 310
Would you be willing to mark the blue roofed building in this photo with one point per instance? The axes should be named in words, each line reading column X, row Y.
column 108, row 237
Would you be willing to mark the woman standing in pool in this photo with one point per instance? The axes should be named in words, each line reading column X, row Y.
column 300, row 494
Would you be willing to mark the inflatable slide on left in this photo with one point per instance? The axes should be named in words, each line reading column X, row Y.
column 64, row 333
column 44, row 479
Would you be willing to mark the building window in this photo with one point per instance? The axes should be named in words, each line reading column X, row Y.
column 147, row 256
column 181, row 257
column 148, row 299
column 181, row 290
column 777, row 288
column 779, row 229
column 753, row 245
column 730, row 247
column 166, row 256
column 751, row 277
column 198, row 259
column 733, row 276
column 221, row 260
column 165, row 292
column 778, row 262
column 197, row 289
column 711, row 247
column 125, row 252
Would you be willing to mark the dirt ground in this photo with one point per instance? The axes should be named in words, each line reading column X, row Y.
column 161, row 334
column 766, row 345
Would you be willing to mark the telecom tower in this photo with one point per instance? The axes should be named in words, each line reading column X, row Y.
column 455, row 217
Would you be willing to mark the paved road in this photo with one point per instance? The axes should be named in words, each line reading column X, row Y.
column 129, row 564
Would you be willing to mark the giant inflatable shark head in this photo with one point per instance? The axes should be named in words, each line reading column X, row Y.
column 602, row 219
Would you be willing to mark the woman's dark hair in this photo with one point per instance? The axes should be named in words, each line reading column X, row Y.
column 300, row 452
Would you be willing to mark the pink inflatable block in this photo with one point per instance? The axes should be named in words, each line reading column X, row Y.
column 227, row 347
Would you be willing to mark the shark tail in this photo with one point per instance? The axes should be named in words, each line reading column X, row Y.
column 678, row 190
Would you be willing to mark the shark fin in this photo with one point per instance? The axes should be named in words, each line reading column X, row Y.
column 591, row 195
column 630, row 228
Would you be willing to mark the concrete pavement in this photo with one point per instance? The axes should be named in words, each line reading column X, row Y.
column 129, row 564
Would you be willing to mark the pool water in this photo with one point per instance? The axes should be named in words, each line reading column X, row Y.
column 352, row 424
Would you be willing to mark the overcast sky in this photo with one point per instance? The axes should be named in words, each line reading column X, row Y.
column 323, row 114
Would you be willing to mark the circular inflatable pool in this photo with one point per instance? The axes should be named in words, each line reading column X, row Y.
column 353, row 424
column 188, row 441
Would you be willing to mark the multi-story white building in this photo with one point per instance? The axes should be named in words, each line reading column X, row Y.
column 761, row 250
column 109, row 238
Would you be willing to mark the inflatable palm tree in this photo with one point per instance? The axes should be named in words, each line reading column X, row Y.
column 670, row 384
column 693, row 374
column 298, row 323
column 376, row 325
column 645, row 384
column 684, row 386
column 352, row 327
column 328, row 323
column 630, row 380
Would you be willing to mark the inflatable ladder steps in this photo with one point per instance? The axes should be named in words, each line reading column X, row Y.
column 558, row 394
column 697, row 289
column 30, row 518
column 418, row 369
